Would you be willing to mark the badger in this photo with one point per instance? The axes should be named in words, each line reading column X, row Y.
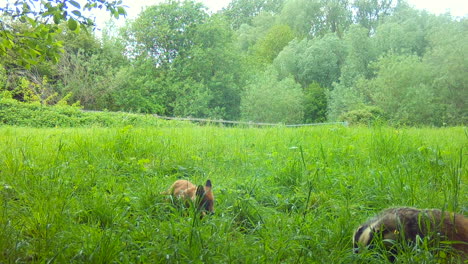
column 407, row 223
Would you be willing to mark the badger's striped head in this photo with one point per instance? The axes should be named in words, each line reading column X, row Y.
column 386, row 226
column 365, row 234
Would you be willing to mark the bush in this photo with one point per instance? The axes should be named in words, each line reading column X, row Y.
column 15, row 113
column 315, row 103
column 365, row 115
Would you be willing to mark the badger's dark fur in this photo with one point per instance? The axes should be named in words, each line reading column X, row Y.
column 408, row 223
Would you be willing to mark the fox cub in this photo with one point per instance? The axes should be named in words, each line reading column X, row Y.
column 200, row 195
column 408, row 223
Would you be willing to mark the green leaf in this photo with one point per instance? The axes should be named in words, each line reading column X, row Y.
column 31, row 21
column 57, row 18
column 75, row 4
column 30, row 62
column 122, row 11
column 72, row 24
column 34, row 53
column 8, row 43
column 76, row 13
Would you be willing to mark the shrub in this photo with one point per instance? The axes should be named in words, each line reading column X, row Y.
column 365, row 115
column 15, row 113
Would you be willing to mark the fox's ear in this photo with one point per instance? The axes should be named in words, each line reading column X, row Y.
column 200, row 191
column 208, row 184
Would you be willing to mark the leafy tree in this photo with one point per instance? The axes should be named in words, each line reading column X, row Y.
column 84, row 71
column 337, row 16
column 90, row 79
column 315, row 18
column 218, row 68
column 139, row 88
column 321, row 61
column 317, row 60
column 268, row 99
column 267, row 48
column 248, row 35
column 74, row 42
column 196, row 70
column 164, row 32
column 241, row 12
column 78, row 67
column 361, row 52
column 194, row 100
column 403, row 33
column 348, row 94
column 368, row 13
column 305, row 17
column 39, row 25
column 315, row 103
column 344, row 98
column 446, row 59
column 402, row 89
column 287, row 61
column 158, row 41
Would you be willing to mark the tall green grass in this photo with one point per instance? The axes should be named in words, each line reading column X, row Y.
column 283, row 195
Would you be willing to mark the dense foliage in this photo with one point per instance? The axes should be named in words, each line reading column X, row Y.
column 15, row 113
column 28, row 28
column 274, row 60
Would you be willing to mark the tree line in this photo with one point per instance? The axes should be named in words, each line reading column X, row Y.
column 288, row 61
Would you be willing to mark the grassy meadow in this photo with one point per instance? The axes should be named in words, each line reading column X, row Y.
column 283, row 195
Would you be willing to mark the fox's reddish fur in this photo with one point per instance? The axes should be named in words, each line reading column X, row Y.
column 412, row 222
column 185, row 190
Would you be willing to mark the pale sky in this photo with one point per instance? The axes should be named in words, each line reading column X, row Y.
column 134, row 7
column 457, row 8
